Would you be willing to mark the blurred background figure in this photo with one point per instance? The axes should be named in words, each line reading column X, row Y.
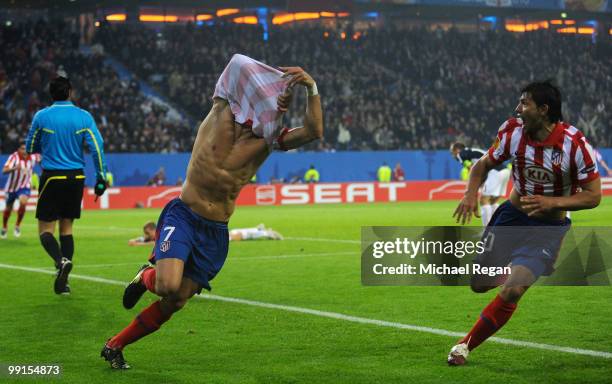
column 384, row 173
column 398, row 173
column 159, row 178
column 259, row 232
column 311, row 175
column 19, row 167
column 148, row 235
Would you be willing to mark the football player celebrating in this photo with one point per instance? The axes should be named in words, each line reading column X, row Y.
column 232, row 143
column 19, row 166
column 554, row 171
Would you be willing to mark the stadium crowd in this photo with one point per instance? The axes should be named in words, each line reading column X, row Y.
column 33, row 53
column 383, row 88
column 386, row 88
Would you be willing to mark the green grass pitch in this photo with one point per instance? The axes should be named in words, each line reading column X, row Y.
column 213, row 341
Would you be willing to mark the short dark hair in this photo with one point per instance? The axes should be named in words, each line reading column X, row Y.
column 545, row 93
column 149, row 225
column 59, row 88
column 22, row 142
column 457, row 146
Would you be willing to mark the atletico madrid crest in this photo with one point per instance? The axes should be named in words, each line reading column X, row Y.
column 557, row 157
column 164, row 246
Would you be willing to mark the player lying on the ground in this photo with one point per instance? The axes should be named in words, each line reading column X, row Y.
column 233, row 141
column 259, row 232
column 554, row 171
column 148, row 235
column 19, row 167
column 495, row 184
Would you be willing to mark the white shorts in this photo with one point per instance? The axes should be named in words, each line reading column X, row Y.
column 496, row 183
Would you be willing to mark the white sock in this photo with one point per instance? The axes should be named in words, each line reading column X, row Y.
column 485, row 212
column 494, row 208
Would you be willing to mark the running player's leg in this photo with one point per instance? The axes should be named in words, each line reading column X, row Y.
column 68, row 202
column 168, row 277
column 148, row 321
column 500, row 191
column 163, row 279
column 499, row 311
column 23, row 200
column 8, row 209
column 67, row 250
column 66, row 239
column 485, row 210
column 47, row 213
column 494, row 203
column 151, row 318
column 46, row 229
column 488, row 188
column 495, row 315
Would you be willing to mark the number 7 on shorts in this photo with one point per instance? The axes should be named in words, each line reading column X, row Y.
column 170, row 230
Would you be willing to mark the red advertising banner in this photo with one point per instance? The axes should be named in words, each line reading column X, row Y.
column 287, row 194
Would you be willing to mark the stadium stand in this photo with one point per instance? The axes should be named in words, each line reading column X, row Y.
column 390, row 88
column 34, row 52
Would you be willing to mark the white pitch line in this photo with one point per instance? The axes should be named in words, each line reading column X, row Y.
column 324, row 240
column 230, row 258
column 297, row 255
column 123, row 229
column 340, row 316
column 79, row 266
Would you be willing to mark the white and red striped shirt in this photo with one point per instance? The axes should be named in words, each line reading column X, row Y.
column 21, row 177
column 252, row 88
column 556, row 166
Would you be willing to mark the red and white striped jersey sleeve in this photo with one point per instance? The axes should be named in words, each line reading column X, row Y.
column 11, row 161
column 501, row 150
column 585, row 160
column 36, row 159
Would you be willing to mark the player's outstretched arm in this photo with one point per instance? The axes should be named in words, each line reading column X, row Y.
column 313, row 118
column 468, row 205
column 605, row 166
column 8, row 169
column 140, row 241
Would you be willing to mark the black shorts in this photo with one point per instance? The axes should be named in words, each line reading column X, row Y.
column 60, row 195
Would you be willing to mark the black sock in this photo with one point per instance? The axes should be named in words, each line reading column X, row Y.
column 67, row 243
column 52, row 247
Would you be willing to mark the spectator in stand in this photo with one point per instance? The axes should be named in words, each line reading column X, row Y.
column 33, row 53
column 398, row 173
column 384, row 173
column 311, row 175
column 383, row 96
column 344, row 137
column 387, row 99
column 158, row 179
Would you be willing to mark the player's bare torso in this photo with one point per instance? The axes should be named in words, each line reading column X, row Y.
column 224, row 158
